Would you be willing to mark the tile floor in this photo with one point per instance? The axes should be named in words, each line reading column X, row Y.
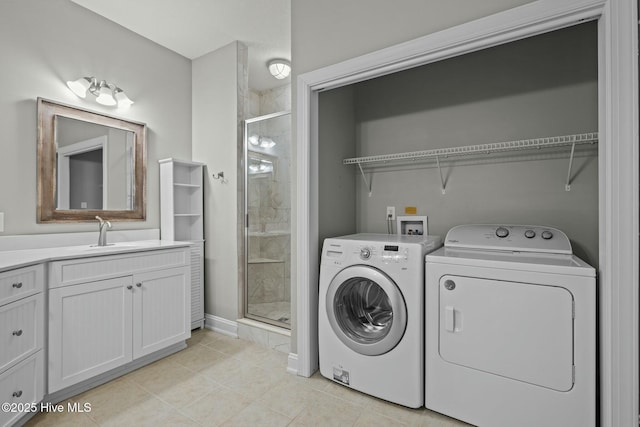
column 221, row 381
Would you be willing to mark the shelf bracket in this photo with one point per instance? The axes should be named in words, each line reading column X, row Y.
column 441, row 179
column 364, row 178
column 567, row 186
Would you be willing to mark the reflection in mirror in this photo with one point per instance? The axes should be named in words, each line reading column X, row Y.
column 89, row 164
column 94, row 166
column 260, row 164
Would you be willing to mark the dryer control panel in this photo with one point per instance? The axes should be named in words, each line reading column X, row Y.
column 515, row 238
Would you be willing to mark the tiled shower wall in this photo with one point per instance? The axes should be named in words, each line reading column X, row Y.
column 269, row 101
column 269, row 208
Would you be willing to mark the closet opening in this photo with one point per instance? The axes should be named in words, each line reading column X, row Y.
column 504, row 135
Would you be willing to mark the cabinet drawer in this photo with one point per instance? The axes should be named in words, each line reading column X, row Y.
column 23, row 384
column 21, row 329
column 21, row 282
column 71, row 272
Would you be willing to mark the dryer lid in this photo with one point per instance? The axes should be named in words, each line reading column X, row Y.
column 513, row 238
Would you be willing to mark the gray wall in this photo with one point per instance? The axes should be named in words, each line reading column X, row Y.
column 538, row 87
column 337, row 134
column 46, row 43
column 219, row 83
column 330, row 31
column 117, row 161
column 71, row 131
column 85, row 177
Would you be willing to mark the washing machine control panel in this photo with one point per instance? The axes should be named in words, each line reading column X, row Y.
column 385, row 253
column 516, row 238
column 395, row 253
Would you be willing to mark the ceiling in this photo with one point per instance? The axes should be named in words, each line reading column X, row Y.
column 193, row 28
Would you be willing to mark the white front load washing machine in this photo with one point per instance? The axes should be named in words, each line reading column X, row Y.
column 510, row 323
column 371, row 314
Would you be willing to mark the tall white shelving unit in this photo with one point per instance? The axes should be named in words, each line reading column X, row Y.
column 181, row 218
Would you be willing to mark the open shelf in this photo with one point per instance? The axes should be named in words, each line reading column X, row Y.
column 443, row 154
column 181, row 218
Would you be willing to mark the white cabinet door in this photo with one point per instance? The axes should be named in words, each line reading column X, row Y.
column 89, row 330
column 161, row 309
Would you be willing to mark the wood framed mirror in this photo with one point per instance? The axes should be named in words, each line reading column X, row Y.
column 89, row 164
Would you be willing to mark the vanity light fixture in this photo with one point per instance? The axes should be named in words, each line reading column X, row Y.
column 267, row 142
column 261, row 141
column 260, row 166
column 105, row 93
column 279, row 68
column 254, row 140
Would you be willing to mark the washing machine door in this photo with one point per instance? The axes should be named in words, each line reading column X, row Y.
column 366, row 310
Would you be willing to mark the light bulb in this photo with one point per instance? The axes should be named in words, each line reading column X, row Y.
column 267, row 143
column 105, row 95
column 254, row 140
column 80, row 86
column 122, row 98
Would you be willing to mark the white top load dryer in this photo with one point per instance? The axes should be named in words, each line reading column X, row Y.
column 510, row 328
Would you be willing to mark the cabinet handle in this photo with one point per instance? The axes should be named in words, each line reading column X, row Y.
column 139, row 284
column 129, row 286
column 17, row 333
column 17, row 393
column 17, row 285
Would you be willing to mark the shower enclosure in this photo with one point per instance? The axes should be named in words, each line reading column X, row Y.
column 267, row 159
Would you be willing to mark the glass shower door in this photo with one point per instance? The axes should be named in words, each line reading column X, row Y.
column 268, row 228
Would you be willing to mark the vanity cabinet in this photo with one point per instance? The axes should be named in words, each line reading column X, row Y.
column 107, row 311
column 21, row 339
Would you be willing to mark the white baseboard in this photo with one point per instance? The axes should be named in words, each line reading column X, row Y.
column 292, row 363
column 221, row 325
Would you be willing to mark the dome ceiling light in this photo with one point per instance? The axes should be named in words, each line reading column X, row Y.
column 279, row 68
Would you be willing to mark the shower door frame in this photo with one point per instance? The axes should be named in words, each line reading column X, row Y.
column 245, row 161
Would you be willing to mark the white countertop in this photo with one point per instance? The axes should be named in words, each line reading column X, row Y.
column 25, row 257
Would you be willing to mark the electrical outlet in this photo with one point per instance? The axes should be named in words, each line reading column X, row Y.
column 1, row 222
column 391, row 212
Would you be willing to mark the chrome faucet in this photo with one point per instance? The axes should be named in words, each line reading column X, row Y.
column 104, row 226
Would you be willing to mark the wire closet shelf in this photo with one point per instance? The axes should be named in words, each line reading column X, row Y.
column 495, row 147
column 469, row 150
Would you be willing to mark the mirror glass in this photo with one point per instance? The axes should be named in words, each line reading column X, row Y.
column 89, row 164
